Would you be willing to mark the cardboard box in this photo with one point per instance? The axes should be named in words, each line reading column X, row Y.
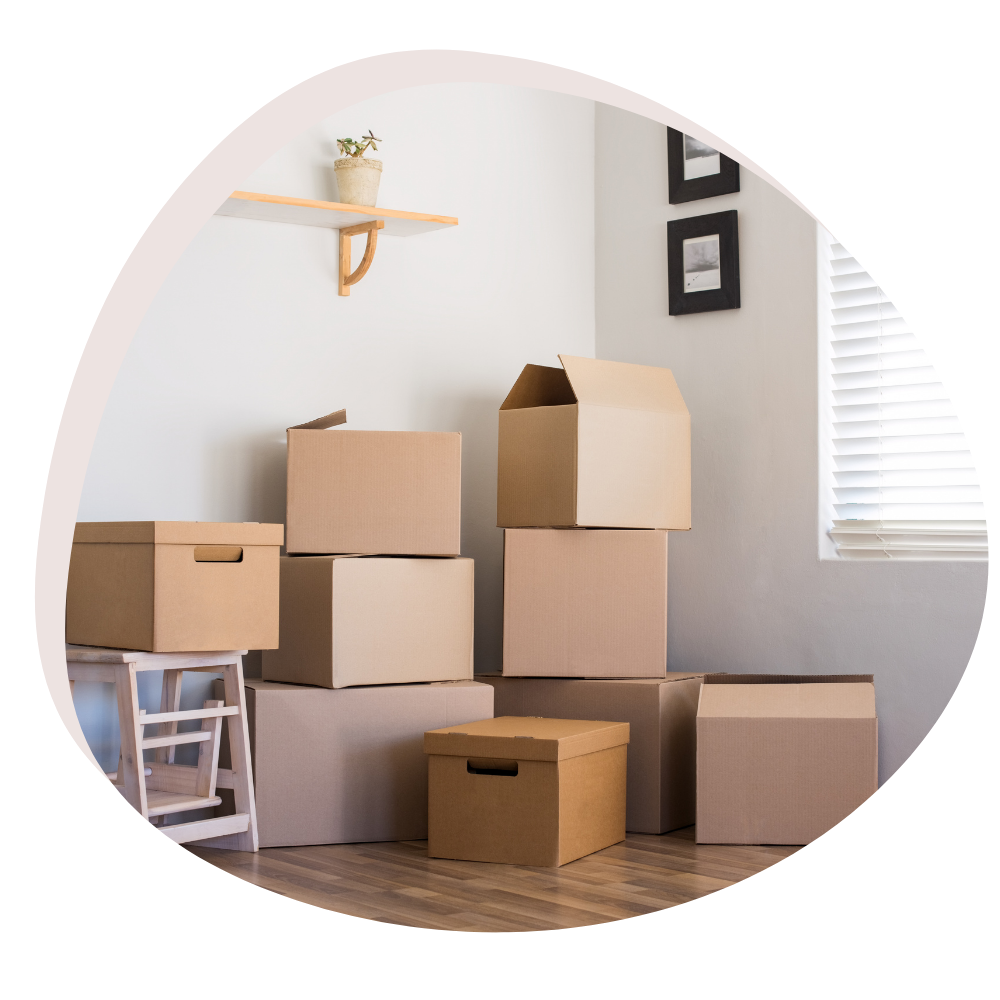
column 584, row 603
column 349, row 620
column 661, row 718
column 380, row 492
column 594, row 444
column 342, row 767
column 526, row 791
column 173, row 586
column 782, row 758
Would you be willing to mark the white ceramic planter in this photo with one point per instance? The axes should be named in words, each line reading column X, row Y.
column 357, row 180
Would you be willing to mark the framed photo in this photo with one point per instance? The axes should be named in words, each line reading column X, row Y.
column 703, row 263
column 698, row 171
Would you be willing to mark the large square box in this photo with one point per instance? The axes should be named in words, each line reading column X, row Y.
column 173, row 586
column 380, row 492
column 594, row 444
column 350, row 620
column 522, row 791
column 783, row 758
column 661, row 719
column 343, row 767
column 584, row 603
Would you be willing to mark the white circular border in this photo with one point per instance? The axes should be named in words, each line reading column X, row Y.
column 179, row 221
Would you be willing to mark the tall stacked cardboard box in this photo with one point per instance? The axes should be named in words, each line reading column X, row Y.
column 375, row 644
column 594, row 470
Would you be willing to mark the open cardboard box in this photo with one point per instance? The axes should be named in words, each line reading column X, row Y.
column 594, row 444
column 781, row 757
column 378, row 492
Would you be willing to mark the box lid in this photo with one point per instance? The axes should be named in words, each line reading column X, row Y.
column 322, row 423
column 787, row 696
column 179, row 532
column 517, row 738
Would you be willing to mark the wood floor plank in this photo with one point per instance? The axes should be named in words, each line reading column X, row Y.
column 397, row 883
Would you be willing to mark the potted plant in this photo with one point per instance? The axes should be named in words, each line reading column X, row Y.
column 357, row 178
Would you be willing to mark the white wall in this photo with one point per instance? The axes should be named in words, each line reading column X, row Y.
column 747, row 590
column 248, row 335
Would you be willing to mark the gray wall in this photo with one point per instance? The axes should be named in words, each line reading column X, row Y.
column 748, row 591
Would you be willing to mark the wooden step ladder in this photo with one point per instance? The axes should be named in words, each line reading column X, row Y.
column 161, row 788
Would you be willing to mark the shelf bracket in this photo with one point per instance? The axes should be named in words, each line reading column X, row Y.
column 345, row 278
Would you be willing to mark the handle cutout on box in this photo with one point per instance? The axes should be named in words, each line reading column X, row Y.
column 487, row 765
column 218, row 553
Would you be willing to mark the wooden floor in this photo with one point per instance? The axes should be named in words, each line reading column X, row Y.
column 397, row 883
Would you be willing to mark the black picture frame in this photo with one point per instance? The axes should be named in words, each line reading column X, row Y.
column 727, row 294
column 726, row 181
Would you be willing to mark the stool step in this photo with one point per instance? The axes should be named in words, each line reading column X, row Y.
column 198, row 736
column 163, row 803
column 194, row 713
column 202, row 829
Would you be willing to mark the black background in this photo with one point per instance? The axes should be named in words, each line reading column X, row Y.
column 119, row 124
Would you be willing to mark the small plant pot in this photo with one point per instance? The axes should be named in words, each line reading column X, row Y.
column 357, row 180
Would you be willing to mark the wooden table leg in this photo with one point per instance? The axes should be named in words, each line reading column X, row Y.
column 132, row 771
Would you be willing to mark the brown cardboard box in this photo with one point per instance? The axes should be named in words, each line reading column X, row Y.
column 661, row 719
column 349, row 620
column 380, row 492
column 526, row 791
column 584, row 603
column 341, row 767
column 594, row 444
column 782, row 758
column 173, row 586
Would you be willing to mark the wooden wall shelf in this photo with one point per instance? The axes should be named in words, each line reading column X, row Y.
column 351, row 220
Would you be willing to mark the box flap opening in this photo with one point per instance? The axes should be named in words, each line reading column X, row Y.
column 539, row 386
column 628, row 387
column 322, row 423
column 789, row 678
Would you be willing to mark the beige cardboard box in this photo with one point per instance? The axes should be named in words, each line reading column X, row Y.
column 661, row 719
column 584, row 603
column 350, row 620
column 782, row 758
column 381, row 492
column 173, row 586
column 341, row 767
column 526, row 791
column 594, row 444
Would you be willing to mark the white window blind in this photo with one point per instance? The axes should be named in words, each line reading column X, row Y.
column 899, row 482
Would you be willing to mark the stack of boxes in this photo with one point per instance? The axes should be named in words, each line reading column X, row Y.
column 594, row 469
column 375, row 646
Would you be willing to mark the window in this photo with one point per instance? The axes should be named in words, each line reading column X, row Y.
column 896, row 475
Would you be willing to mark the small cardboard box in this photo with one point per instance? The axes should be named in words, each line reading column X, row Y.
column 522, row 791
column 173, row 586
column 594, row 444
column 378, row 492
column 342, row 767
column 661, row 718
column 584, row 603
column 350, row 620
column 783, row 758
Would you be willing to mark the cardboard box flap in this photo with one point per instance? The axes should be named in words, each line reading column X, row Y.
column 789, row 678
column 627, row 387
column 178, row 533
column 539, row 386
column 321, row 423
column 787, row 701
column 517, row 738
